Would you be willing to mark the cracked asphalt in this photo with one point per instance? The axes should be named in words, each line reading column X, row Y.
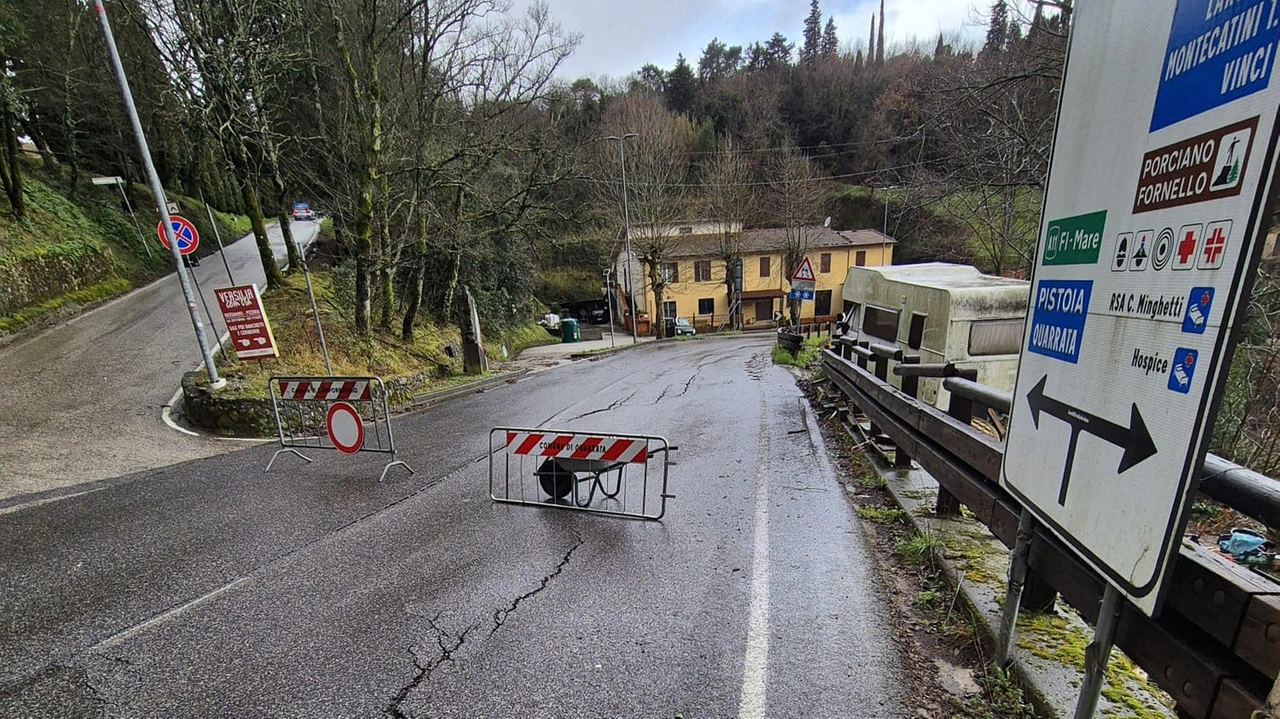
column 82, row 400
column 209, row 588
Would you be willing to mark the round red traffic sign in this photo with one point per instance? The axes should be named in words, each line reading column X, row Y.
column 345, row 429
column 183, row 231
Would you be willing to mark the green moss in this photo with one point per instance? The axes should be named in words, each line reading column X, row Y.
column 1054, row 638
column 90, row 295
column 978, row 559
column 870, row 480
column 884, row 515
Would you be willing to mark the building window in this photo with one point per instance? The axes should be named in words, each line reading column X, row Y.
column 669, row 272
column 707, row 306
column 824, row 265
column 764, row 266
column 669, row 310
column 860, row 258
column 822, row 302
column 685, row 231
column 879, row 322
column 995, row 337
column 702, row 270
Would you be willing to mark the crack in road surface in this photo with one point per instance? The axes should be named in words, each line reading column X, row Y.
column 500, row 615
column 448, row 648
column 613, row 406
column 425, row 670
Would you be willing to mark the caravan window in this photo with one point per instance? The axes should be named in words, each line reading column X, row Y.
column 995, row 337
column 879, row 322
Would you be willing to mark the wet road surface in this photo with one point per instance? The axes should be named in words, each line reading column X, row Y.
column 209, row 588
column 82, row 401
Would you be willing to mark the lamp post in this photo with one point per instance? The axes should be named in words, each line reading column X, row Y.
column 626, row 228
column 608, row 298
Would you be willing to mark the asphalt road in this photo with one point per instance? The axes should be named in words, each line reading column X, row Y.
column 82, row 401
column 211, row 589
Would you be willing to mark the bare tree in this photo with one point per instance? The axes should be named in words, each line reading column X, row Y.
column 794, row 202
column 657, row 165
column 728, row 201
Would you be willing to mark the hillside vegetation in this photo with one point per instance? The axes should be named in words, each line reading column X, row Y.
column 75, row 246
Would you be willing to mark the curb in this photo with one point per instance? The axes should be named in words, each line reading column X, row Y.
column 428, row 399
column 977, row 563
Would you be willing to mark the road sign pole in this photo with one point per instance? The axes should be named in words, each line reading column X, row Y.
column 157, row 192
column 129, row 206
column 1098, row 653
column 217, row 236
column 1013, row 592
column 608, row 298
column 196, row 281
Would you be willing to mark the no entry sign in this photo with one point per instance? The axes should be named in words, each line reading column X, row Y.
column 1162, row 162
column 345, row 428
column 183, row 231
column 247, row 322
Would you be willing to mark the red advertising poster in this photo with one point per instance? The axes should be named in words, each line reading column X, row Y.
column 247, row 324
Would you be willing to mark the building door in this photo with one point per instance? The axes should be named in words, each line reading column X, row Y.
column 669, row 310
column 764, row 310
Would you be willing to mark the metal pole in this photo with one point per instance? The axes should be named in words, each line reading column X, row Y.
column 129, row 206
column 1013, row 592
column 1097, row 654
column 217, row 236
column 886, row 212
column 196, row 281
column 608, row 298
column 157, row 192
column 315, row 313
column 626, row 229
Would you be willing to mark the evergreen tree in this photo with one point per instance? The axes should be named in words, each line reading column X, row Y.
column 871, row 43
column 778, row 51
column 680, row 87
column 880, row 44
column 857, row 60
column 812, row 34
column 830, row 43
column 998, row 29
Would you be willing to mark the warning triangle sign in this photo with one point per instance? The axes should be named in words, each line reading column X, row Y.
column 804, row 272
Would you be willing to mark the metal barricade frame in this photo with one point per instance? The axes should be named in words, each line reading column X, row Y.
column 565, row 460
column 306, row 426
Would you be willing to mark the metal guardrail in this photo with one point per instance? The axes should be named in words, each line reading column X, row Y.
column 1215, row 648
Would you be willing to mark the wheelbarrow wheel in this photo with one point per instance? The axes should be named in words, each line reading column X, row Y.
column 556, row 481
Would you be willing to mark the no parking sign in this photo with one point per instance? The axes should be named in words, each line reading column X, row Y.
column 183, row 231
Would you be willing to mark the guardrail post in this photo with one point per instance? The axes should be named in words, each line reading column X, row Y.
column 911, row 388
column 948, row 505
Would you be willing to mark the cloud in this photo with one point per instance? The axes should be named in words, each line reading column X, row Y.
column 619, row 37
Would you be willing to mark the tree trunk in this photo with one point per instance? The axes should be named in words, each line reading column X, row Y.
column 254, row 211
column 474, row 361
column 364, row 246
column 13, row 176
column 414, row 299
column 286, row 230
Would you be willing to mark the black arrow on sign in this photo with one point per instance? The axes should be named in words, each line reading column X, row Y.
column 1135, row 439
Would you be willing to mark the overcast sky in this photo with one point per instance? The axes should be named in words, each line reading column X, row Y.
column 618, row 36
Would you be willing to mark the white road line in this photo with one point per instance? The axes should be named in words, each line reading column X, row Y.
column 756, row 663
column 159, row 618
column 47, row 500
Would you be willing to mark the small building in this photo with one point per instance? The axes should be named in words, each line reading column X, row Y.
column 697, row 289
column 942, row 312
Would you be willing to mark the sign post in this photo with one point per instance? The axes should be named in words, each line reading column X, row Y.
column 1158, row 192
column 119, row 183
column 803, row 282
column 157, row 191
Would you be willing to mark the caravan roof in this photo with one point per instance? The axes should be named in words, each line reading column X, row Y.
column 973, row 295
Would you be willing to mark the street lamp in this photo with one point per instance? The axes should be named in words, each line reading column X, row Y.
column 626, row 226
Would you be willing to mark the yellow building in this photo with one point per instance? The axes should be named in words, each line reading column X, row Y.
column 697, row 290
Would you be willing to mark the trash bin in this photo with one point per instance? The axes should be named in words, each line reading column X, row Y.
column 669, row 327
column 569, row 331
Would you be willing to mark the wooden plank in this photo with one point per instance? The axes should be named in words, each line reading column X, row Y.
column 1213, row 592
column 1259, row 639
column 1238, row 699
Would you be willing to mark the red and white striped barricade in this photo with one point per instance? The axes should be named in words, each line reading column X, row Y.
column 348, row 414
column 623, row 475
